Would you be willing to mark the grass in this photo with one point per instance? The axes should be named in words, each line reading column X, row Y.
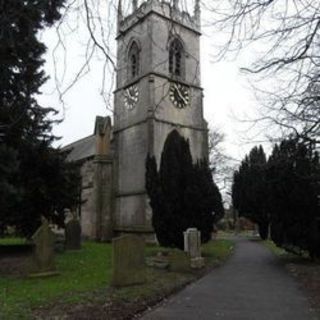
column 86, row 275
column 12, row 241
column 276, row 250
column 80, row 271
column 284, row 255
column 217, row 251
column 213, row 250
column 161, row 283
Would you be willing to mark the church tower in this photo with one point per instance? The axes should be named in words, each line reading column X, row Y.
column 158, row 90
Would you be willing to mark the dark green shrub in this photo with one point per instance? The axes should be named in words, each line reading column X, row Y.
column 182, row 194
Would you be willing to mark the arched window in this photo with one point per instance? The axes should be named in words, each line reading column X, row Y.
column 134, row 60
column 176, row 58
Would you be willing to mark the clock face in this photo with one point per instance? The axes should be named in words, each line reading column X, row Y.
column 179, row 95
column 131, row 97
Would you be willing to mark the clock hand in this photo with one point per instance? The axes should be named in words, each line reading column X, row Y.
column 131, row 96
column 181, row 95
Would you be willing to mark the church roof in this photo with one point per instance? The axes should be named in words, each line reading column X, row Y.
column 82, row 149
column 85, row 148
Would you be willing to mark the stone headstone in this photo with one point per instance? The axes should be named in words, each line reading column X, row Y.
column 197, row 263
column 192, row 245
column 192, row 242
column 128, row 260
column 73, row 235
column 43, row 263
column 186, row 241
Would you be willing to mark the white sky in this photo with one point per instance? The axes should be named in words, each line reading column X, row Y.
column 227, row 94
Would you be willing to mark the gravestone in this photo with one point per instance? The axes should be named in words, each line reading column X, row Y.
column 128, row 261
column 43, row 252
column 73, row 235
column 192, row 242
column 192, row 245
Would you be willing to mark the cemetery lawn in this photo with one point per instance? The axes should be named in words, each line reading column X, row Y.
column 304, row 270
column 82, row 290
column 80, row 271
column 12, row 241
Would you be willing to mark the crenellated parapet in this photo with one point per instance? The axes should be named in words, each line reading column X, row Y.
column 168, row 10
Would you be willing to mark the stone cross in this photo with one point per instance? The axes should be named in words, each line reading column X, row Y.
column 128, row 265
column 43, row 254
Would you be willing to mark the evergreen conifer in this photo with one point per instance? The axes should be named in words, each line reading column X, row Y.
column 40, row 181
column 182, row 194
column 249, row 190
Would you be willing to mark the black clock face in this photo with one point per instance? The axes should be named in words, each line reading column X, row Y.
column 179, row 95
column 131, row 97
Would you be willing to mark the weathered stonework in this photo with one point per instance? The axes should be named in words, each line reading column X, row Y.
column 113, row 168
column 43, row 258
column 128, row 265
column 73, row 235
column 144, row 128
column 192, row 245
column 95, row 156
column 88, row 218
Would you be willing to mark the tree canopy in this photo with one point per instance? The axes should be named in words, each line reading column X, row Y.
column 36, row 178
column 283, row 192
column 182, row 194
column 249, row 193
column 293, row 184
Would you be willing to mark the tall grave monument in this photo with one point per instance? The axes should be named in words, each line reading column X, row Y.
column 158, row 89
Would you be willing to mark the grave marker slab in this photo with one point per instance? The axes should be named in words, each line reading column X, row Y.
column 73, row 235
column 192, row 245
column 43, row 263
column 128, row 260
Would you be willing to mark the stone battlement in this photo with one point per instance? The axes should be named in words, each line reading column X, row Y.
column 163, row 9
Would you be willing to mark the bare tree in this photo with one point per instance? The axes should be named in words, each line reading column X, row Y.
column 90, row 26
column 222, row 165
column 216, row 150
column 285, row 38
column 94, row 25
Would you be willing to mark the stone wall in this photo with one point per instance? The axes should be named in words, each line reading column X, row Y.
column 87, row 216
column 104, row 197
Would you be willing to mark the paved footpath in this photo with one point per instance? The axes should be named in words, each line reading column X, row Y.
column 252, row 285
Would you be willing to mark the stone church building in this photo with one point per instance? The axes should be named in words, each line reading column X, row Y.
column 95, row 157
column 158, row 89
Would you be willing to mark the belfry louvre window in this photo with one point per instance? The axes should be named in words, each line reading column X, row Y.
column 175, row 58
column 134, row 60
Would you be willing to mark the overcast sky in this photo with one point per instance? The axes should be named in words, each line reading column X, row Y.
column 228, row 96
